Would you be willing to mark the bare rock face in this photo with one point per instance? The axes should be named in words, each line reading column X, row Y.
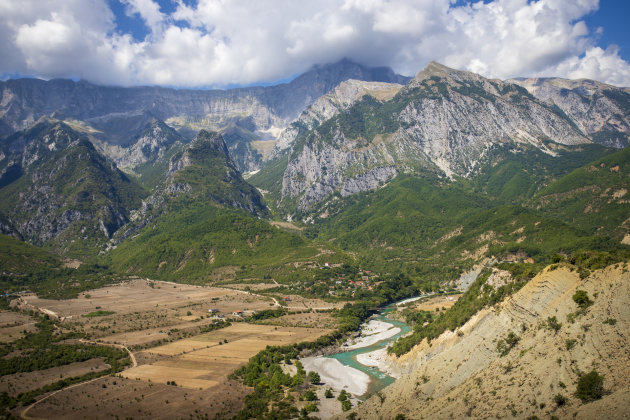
column 600, row 111
column 327, row 106
column 150, row 146
column 444, row 120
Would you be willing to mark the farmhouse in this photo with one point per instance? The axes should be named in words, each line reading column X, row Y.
column 238, row 313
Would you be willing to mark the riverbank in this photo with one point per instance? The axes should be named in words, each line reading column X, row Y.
column 336, row 375
column 371, row 333
column 380, row 360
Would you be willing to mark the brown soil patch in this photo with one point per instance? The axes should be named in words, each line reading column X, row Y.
column 309, row 319
column 255, row 286
column 72, row 264
column 287, row 225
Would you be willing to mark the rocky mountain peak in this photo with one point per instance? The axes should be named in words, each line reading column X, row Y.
column 445, row 120
column 437, row 70
column 207, row 146
column 56, row 187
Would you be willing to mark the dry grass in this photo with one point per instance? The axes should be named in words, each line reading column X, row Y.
column 13, row 325
column 202, row 361
column 123, row 398
column 437, row 302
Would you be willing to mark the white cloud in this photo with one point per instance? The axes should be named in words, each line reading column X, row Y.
column 598, row 64
column 148, row 10
column 219, row 42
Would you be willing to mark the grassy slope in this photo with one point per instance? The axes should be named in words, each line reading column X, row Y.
column 20, row 258
column 517, row 173
column 189, row 243
column 29, row 267
column 404, row 225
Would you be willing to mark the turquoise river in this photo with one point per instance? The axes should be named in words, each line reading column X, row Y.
column 379, row 380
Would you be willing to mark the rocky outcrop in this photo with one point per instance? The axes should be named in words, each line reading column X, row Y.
column 599, row 110
column 152, row 145
column 327, row 106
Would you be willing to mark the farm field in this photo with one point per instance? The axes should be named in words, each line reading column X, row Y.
column 13, row 325
column 437, row 302
column 25, row 381
column 204, row 360
column 115, row 397
column 142, row 296
column 180, row 371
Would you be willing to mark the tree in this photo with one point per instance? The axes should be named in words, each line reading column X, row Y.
column 314, row 378
column 310, row 396
column 329, row 393
column 581, row 298
column 590, row 387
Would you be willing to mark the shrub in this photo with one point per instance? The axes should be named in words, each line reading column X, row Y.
column 343, row 395
column 590, row 386
column 310, row 396
column 310, row 408
column 553, row 324
column 346, row 405
column 506, row 344
column 329, row 393
column 313, row 377
column 581, row 298
column 560, row 400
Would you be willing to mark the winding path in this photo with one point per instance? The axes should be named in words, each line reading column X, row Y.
column 134, row 363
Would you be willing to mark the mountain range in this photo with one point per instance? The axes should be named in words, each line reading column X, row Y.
column 446, row 181
column 117, row 116
column 95, row 165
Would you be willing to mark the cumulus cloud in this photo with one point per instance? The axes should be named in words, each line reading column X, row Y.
column 221, row 42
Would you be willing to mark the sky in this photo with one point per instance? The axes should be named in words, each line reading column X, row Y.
column 221, row 43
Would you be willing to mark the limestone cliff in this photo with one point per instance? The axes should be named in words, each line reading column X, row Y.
column 444, row 120
column 599, row 110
